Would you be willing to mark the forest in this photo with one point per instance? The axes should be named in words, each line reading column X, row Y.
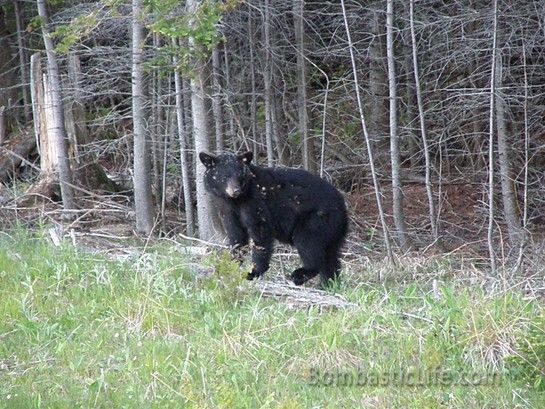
column 117, row 286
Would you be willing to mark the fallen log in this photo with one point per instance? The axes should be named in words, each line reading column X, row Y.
column 296, row 296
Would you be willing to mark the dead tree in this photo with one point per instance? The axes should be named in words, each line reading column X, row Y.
column 367, row 140
column 422, row 120
column 57, row 131
column 397, row 190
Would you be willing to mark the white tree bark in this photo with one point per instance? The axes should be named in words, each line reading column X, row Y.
column 200, row 133
column 36, row 96
column 57, row 128
column 267, row 79
column 142, row 162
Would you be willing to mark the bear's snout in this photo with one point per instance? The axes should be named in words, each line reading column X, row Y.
column 233, row 189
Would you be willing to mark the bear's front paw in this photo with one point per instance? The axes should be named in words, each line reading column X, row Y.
column 253, row 275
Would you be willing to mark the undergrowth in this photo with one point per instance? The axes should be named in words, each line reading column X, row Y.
column 79, row 330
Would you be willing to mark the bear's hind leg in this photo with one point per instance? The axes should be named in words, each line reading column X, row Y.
column 329, row 273
column 312, row 255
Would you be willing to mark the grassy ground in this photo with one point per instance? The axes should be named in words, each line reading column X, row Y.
column 78, row 330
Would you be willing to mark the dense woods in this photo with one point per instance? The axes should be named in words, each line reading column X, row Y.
column 427, row 114
column 135, row 141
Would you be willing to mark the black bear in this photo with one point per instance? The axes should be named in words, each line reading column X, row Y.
column 289, row 205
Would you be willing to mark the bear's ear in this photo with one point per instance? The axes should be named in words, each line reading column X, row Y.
column 245, row 157
column 208, row 159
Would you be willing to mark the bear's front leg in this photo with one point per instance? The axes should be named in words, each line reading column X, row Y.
column 237, row 235
column 262, row 249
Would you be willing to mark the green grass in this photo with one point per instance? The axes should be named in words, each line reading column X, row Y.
column 78, row 330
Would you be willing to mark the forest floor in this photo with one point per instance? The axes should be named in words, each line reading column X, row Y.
column 97, row 318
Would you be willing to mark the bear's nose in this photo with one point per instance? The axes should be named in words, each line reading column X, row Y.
column 233, row 191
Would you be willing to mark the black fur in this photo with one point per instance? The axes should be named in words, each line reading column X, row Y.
column 289, row 205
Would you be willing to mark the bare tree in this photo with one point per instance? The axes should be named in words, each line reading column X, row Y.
column 526, row 145
column 367, row 139
column 421, row 115
column 491, row 141
column 397, row 191
column 142, row 163
column 57, row 129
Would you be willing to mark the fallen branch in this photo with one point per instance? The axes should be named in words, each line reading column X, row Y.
column 296, row 296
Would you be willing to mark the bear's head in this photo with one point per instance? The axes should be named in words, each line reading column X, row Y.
column 227, row 175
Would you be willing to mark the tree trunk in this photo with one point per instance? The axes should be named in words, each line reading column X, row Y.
column 3, row 127
column 183, row 133
column 76, row 108
column 37, row 98
column 491, row 250
column 267, row 79
column 411, row 116
column 142, row 164
column 378, row 115
column 508, row 189
column 23, row 71
column 200, row 133
column 420, row 104
column 9, row 80
column 253, row 103
column 58, row 130
column 232, row 135
column 278, row 120
column 309, row 157
column 159, row 126
column 217, row 103
column 397, row 191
